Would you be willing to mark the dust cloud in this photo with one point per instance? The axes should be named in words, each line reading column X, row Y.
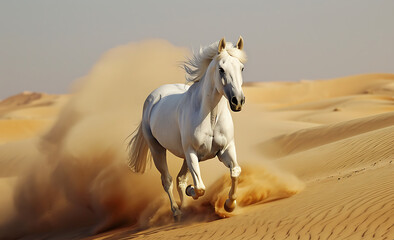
column 75, row 176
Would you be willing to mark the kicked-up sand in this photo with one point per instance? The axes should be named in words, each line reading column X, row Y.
column 317, row 159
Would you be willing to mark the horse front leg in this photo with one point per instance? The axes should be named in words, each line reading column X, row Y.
column 192, row 163
column 229, row 158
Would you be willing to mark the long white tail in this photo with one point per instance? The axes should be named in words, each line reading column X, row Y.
column 139, row 153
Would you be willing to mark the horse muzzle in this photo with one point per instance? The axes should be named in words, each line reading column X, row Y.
column 236, row 103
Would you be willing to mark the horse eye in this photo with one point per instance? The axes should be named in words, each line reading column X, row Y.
column 221, row 70
column 242, row 69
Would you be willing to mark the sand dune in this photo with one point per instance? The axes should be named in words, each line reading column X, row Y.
column 314, row 137
column 27, row 114
column 317, row 159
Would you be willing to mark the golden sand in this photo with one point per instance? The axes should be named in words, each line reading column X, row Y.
column 317, row 159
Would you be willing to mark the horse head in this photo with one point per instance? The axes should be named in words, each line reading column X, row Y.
column 228, row 80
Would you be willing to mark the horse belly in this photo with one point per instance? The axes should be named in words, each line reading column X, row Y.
column 164, row 127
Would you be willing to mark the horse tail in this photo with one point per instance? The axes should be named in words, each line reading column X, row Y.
column 139, row 153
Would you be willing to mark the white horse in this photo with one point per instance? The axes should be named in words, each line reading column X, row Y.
column 194, row 122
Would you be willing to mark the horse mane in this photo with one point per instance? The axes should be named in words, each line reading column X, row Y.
column 196, row 66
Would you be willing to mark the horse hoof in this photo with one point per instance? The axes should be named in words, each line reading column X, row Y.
column 229, row 206
column 189, row 190
column 200, row 192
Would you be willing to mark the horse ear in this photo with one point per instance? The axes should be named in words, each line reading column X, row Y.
column 222, row 45
column 240, row 43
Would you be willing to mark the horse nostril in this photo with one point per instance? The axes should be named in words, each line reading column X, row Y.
column 234, row 101
column 243, row 101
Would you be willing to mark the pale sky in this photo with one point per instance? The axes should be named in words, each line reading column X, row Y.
column 46, row 45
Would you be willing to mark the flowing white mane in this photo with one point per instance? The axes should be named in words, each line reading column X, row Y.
column 196, row 66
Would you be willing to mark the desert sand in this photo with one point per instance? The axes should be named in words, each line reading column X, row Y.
column 317, row 158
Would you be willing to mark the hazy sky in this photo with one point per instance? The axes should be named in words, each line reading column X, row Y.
column 46, row 45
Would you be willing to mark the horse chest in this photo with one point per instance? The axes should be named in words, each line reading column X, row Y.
column 209, row 143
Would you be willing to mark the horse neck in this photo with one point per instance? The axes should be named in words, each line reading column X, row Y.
column 212, row 102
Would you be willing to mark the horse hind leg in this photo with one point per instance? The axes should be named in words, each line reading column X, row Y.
column 159, row 158
column 181, row 182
